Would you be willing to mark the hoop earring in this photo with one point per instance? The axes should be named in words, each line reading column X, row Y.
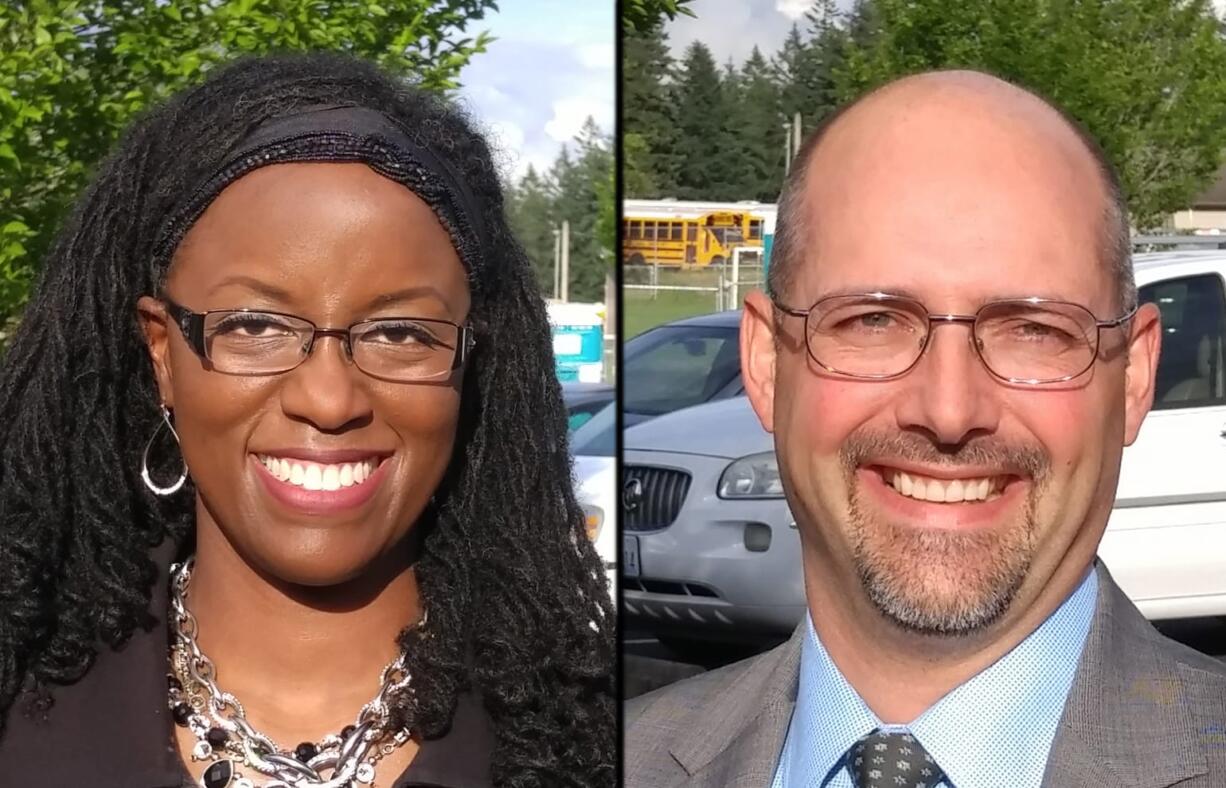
column 144, row 464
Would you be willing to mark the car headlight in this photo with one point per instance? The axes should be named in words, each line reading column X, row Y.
column 754, row 476
column 593, row 520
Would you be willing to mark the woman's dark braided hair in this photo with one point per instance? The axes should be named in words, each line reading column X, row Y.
column 516, row 598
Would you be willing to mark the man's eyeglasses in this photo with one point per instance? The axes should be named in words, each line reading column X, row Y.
column 878, row 336
column 249, row 342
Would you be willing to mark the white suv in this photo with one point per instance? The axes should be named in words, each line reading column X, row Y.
column 1166, row 540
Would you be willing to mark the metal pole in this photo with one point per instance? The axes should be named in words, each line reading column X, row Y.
column 565, row 287
column 795, row 135
column 736, row 276
column 610, row 325
column 655, row 261
column 557, row 254
column 787, row 148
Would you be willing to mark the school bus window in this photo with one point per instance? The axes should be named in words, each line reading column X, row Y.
column 755, row 229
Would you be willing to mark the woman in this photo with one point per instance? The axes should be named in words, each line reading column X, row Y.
column 285, row 493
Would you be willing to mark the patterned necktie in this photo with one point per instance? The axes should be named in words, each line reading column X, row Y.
column 892, row 760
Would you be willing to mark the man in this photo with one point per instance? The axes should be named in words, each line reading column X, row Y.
column 951, row 361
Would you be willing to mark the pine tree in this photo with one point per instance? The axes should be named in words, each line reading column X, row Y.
column 580, row 184
column 796, row 73
column 760, row 130
column 704, row 142
column 530, row 211
column 649, row 132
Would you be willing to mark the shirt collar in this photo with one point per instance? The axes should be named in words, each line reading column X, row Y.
column 993, row 731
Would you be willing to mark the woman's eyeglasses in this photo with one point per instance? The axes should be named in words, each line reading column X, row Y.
column 878, row 336
column 250, row 342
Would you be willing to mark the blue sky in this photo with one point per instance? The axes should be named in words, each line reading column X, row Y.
column 551, row 67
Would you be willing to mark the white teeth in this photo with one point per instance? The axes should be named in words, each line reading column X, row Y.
column 314, row 476
column 940, row 491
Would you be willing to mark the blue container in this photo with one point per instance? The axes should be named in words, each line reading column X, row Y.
column 579, row 351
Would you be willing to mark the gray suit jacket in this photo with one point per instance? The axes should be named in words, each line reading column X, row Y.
column 1143, row 712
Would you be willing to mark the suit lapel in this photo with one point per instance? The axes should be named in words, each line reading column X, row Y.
column 1126, row 722
column 735, row 738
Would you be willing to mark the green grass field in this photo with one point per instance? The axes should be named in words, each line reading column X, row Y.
column 641, row 311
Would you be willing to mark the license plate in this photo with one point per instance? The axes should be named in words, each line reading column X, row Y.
column 630, row 556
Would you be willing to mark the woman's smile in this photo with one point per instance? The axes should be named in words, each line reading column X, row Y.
column 312, row 482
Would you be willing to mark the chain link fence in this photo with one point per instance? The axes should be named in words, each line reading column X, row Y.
column 652, row 294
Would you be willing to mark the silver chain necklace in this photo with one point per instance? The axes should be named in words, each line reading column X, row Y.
column 224, row 736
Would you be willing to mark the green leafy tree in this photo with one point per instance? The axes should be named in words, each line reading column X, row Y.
column 650, row 162
column 74, row 73
column 641, row 15
column 1146, row 77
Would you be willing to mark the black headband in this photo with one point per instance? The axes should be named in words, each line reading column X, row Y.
column 345, row 134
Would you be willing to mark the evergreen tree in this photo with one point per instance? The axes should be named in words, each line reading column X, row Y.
column 759, row 129
column 704, row 144
column 580, row 184
column 530, row 212
column 797, row 74
column 649, row 131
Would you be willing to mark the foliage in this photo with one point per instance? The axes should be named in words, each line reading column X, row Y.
column 1146, row 77
column 755, row 124
column 640, row 15
column 692, row 131
column 650, row 163
column 703, row 140
column 579, row 188
column 73, row 74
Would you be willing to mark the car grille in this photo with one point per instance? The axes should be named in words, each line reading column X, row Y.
column 663, row 493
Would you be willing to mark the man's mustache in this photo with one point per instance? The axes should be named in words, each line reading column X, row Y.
column 873, row 446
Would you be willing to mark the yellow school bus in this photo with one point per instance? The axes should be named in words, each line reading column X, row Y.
column 688, row 234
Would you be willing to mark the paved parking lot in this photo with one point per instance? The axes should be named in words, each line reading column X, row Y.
column 649, row 664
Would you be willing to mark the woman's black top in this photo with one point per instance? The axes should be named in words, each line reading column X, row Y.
column 112, row 729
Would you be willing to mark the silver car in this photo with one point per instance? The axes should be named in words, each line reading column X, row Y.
column 709, row 548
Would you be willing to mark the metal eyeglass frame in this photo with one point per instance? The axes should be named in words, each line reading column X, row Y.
column 192, row 325
column 970, row 320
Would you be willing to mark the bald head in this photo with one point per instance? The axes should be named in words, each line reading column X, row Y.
column 943, row 150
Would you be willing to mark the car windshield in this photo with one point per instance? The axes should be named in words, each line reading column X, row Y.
column 674, row 367
column 583, row 403
column 597, row 437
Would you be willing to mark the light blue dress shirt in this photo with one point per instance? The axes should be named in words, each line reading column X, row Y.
column 994, row 731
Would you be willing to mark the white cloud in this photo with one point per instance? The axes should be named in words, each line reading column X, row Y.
column 731, row 28
column 550, row 66
column 569, row 115
column 793, row 9
column 598, row 56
